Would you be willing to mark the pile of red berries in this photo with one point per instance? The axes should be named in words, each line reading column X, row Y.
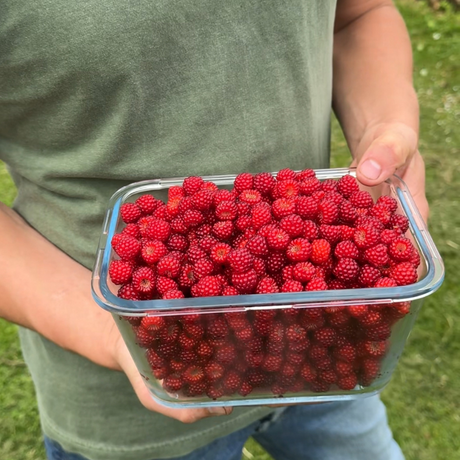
column 288, row 233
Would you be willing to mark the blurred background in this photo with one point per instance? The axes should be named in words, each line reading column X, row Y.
column 423, row 396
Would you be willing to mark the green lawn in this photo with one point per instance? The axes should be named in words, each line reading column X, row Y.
column 423, row 397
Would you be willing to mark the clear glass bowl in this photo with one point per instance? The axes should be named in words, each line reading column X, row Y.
column 302, row 374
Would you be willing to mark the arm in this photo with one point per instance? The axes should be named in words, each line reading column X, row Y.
column 373, row 95
column 43, row 289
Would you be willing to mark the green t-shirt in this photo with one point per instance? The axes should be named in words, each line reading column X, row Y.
column 97, row 94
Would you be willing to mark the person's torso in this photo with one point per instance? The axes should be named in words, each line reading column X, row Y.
column 96, row 94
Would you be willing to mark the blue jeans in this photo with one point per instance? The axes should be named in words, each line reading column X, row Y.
column 351, row 430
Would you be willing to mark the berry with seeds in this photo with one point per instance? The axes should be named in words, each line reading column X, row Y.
column 127, row 247
column 404, row 273
column 241, row 260
column 377, row 255
column 366, row 236
column 143, row 280
column 168, row 266
column 120, row 271
column 283, row 207
column 321, row 251
column 346, row 269
column 293, row 225
column 310, row 185
column 173, row 294
column 272, row 363
column 209, row 286
column 299, row 250
column 243, row 181
column 130, row 212
column 147, row 204
column 250, row 197
column 399, row 222
column 296, row 333
column 346, row 249
column 267, row 285
column 347, row 382
column 372, row 348
column 328, row 212
column 173, row 382
column 306, row 207
column 347, row 185
column 325, row 336
column 264, row 183
column 361, row 199
column 192, row 184
column 223, row 229
column 316, row 284
column 292, row 286
column 401, row 249
column 245, row 282
column 193, row 374
column 385, row 282
column 368, row 275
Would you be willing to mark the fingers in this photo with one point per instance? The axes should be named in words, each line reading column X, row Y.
column 183, row 415
column 390, row 151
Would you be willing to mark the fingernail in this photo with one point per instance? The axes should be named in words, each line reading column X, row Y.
column 218, row 410
column 371, row 169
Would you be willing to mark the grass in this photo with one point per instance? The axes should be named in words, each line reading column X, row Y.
column 422, row 398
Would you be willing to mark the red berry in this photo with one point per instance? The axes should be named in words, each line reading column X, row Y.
column 130, row 212
column 401, row 249
column 173, row 382
column 366, row 236
column 192, row 184
column 299, row 250
column 346, row 269
column 120, row 271
column 193, row 374
column 243, row 181
column 264, row 183
column 399, row 222
column 128, row 247
column 241, row 260
column 147, row 204
column 215, row 390
column 361, row 199
column 306, row 207
column 346, row 249
column 368, row 275
column 377, row 255
column 310, row 185
column 321, row 250
column 345, row 352
column 295, row 333
column 325, row 336
column 348, row 382
column 316, row 284
column 347, row 212
column 404, row 273
column 293, row 225
column 292, row 286
column 328, row 212
column 223, row 229
column 347, row 185
column 209, row 286
column 308, row 373
column 267, row 285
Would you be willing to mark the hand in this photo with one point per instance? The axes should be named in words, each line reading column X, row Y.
column 126, row 363
column 388, row 148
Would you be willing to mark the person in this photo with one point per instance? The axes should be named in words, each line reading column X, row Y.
column 95, row 95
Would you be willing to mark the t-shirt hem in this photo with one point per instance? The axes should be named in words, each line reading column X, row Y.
column 176, row 447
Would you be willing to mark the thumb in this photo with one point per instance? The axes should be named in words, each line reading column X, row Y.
column 389, row 152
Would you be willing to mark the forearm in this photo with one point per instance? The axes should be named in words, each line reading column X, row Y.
column 373, row 76
column 43, row 289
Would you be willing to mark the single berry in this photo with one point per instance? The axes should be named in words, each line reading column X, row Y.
column 404, row 273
